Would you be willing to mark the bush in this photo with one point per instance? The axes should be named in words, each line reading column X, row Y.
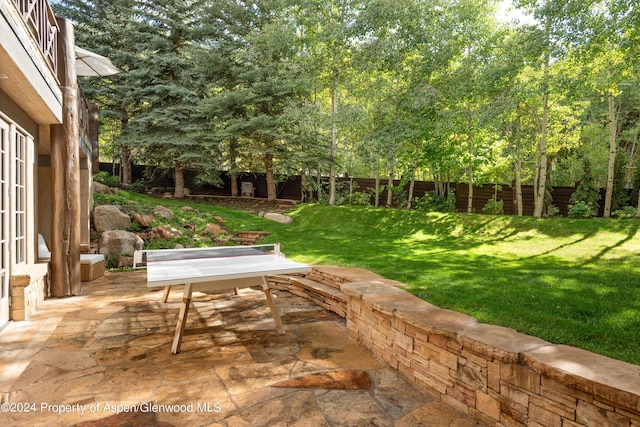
column 582, row 210
column 624, row 213
column 493, row 207
column 107, row 179
column 433, row 202
column 138, row 187
column 361, row 198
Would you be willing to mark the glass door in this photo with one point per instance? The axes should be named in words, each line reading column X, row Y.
column 4, row 221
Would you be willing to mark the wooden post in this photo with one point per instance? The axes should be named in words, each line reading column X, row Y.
column 65, row 166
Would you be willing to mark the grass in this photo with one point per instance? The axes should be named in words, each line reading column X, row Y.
column 567, row 281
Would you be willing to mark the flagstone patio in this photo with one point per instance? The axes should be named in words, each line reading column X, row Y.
column 103, row 358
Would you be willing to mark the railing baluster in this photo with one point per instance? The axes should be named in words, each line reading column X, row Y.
column 40, row 20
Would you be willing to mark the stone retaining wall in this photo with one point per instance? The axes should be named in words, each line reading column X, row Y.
column 28, row 288
column 494, row 374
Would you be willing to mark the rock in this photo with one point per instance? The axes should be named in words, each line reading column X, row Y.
column 186, row 208
column 277, row 217
column 125, row 261
column 163, row 232
column 103, row 189
column 109, row 217
column 164, row 212
column 115, row 243
column 144, row 221
column 214, row 230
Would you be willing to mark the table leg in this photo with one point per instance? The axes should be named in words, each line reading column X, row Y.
column 182, row 319
column 272, row 305
column 165, row 294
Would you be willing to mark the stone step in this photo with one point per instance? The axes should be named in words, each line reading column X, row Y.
column 252, row 234
column 325, row 296
column 243, row 240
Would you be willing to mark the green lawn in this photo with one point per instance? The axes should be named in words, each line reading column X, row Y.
column 567, row 281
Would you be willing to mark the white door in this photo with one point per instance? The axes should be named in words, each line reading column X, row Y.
column 4, row 221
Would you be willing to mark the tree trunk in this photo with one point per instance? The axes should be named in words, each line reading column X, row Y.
column 470, row 178
column 334, row 139
column 178, row 192
column 518, row 186
column 233, row 167
column 412, row 183
column 612, row 156
column 127, row 175
column 234, row 184
column 303, row 182
column 542, row 153
column 542, row 145
column 271, row 182
column 377, row 196
column 390, row 186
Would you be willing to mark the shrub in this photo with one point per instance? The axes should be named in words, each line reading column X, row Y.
column 107, row 179
column 138, row 187
column 624, row 213
column 587, row 195
column 434, row 202
column 582, row 210
column 361, row 198
column 493, row 207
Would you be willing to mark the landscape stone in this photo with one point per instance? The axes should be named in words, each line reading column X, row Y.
column 114, row 243
column 163, row 232
column 214, row 230
column 143, row 220
column 278, row 217
column 109, row 217
column 164, row 212
column 103, row 189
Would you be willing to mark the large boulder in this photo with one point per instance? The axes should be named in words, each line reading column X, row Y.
column 115, row 243
column 277, row 217
column 109, row 217
column 103, row 189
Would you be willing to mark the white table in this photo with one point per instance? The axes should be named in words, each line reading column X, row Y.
column 220, row 268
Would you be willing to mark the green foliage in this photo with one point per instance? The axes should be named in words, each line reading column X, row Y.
column 361, row 198
column 493, row 207
column 620, row 197
column 625, row 213
column 118, row 198
column 585, row 199
column 107, row 179
column 582, row 210
column 140, row 186
column 434, row 202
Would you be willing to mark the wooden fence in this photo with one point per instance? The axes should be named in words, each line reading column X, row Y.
column 291, row 188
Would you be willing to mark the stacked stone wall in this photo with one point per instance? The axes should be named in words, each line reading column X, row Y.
column 496, row 375
column 28, row 288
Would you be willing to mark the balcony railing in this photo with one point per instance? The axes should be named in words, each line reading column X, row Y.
column 41, row 21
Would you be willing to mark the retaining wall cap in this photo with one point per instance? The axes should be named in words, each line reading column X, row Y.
column 347, row 273
column 505, row 344
column 392, row 302
column 370, row 287
column 435, row 320
column 608, row 379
